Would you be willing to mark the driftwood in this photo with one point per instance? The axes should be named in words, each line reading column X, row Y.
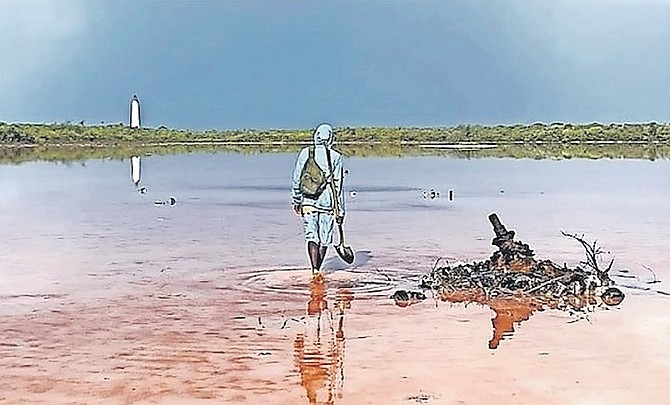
column 514, row 283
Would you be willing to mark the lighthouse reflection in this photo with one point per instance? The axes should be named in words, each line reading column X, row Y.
column 136, row 173
column 319, row 350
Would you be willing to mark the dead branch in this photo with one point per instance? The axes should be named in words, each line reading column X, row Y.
column 653, row 274
column 592, row 251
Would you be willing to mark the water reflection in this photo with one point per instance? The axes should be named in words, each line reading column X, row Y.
column 136, row 170
column 136, row 173
column 512, row 310
column 319, row 350
column 509, row 311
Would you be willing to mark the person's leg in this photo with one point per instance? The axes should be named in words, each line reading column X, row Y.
column 325, row 233
column 314, row 256
column 322, row 255
column 310, row 223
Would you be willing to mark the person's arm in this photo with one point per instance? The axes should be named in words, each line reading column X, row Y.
column 296, row 194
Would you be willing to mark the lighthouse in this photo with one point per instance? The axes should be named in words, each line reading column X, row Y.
column 135, row 112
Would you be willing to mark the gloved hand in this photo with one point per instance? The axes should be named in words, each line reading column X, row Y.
column 297, row 208
column 339, row 220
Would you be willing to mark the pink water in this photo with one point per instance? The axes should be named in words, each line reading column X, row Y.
column 106, row 297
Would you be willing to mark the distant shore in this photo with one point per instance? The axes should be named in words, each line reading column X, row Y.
column 44, row 134
column 65, row 142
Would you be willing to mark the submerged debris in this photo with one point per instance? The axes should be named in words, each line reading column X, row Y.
column 406, row 298
column 170, row 201
column 514, row 284
column 513, row 271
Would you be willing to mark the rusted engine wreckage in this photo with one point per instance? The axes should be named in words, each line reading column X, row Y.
column 514, row 284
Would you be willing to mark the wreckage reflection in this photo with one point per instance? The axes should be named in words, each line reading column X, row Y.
column 511, row 311
column 319, row 351
column 508, row 312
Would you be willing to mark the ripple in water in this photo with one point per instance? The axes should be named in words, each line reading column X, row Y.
column 295, row 282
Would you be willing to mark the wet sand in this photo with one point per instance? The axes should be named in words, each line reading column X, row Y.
column 108, row 299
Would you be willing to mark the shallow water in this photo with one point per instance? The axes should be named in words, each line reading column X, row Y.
column 211, row 298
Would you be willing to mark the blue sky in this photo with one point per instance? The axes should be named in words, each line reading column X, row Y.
column 293, row 64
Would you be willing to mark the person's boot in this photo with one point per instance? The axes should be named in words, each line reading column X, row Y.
column 314, row 254
column 322, row 255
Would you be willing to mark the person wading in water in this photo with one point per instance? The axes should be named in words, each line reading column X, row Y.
column 317, row 193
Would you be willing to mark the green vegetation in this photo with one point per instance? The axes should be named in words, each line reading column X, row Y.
column 69, row 142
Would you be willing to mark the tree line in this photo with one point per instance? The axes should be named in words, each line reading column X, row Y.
column 554, row 133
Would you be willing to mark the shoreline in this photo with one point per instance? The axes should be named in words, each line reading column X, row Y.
column 70, row 142
column 446, row 145
column 49, row 134
column 81, row 151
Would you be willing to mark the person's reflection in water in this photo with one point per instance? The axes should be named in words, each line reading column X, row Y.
column 319, row 351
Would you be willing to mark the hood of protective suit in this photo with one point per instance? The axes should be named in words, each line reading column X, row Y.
column 323, row 135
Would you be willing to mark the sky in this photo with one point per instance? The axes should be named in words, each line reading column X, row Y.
column 293, row 64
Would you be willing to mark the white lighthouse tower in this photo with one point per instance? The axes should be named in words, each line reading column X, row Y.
column 135, row 112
